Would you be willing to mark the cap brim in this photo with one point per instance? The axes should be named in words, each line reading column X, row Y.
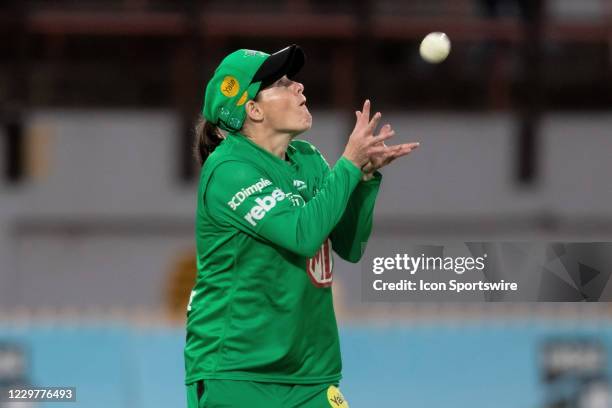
column 287, row 61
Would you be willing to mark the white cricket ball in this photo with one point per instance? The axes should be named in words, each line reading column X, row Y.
column 435, row 47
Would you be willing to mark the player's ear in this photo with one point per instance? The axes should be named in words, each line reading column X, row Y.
column 254, row 111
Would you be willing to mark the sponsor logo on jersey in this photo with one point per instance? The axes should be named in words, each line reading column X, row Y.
column 320, row 267
column 296, row 199
column 299, row 184
column 242, row 195
column 335, row 398
column 230, row 86
column 264, row 204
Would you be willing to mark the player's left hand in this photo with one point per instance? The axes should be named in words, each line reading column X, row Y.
column 388, row 155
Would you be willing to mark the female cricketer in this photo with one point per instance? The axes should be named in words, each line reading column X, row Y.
column 261, row 329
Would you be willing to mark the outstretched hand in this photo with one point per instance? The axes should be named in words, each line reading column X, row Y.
column 387, row 154
column 362, row 143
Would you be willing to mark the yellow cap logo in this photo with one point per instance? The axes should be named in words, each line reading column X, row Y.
column 335, row 398
column 242, row 99
column 230, row 86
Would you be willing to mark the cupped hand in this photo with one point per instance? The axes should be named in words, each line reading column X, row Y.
column 362, row 143
column 387, row 154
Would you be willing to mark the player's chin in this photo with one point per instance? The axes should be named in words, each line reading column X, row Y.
column 307, row 120
column 298, row 130
column 300, row 122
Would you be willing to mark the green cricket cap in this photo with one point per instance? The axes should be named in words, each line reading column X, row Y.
column 240, row 76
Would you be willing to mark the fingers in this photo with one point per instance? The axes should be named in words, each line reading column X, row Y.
column 373, row 123
column 358, row 120
column 365, row 111
column 385, row 130
column 385, row 155
column 368, row 167
column 377, row 150
column 363, row 116
column 401, row 150
column 382, row 136
column 388, row 154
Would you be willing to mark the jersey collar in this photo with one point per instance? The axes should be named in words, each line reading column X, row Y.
column 243, row 140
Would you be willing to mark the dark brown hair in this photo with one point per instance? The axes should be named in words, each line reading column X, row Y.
column 207, row 137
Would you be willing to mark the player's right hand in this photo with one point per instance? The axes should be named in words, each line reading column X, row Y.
column 363, row 143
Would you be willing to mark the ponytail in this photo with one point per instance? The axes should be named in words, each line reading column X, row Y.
column 207, row 137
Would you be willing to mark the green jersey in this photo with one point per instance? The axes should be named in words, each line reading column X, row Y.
column 262, row 308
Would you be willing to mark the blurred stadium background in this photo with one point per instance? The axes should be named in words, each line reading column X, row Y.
column 97, row 191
